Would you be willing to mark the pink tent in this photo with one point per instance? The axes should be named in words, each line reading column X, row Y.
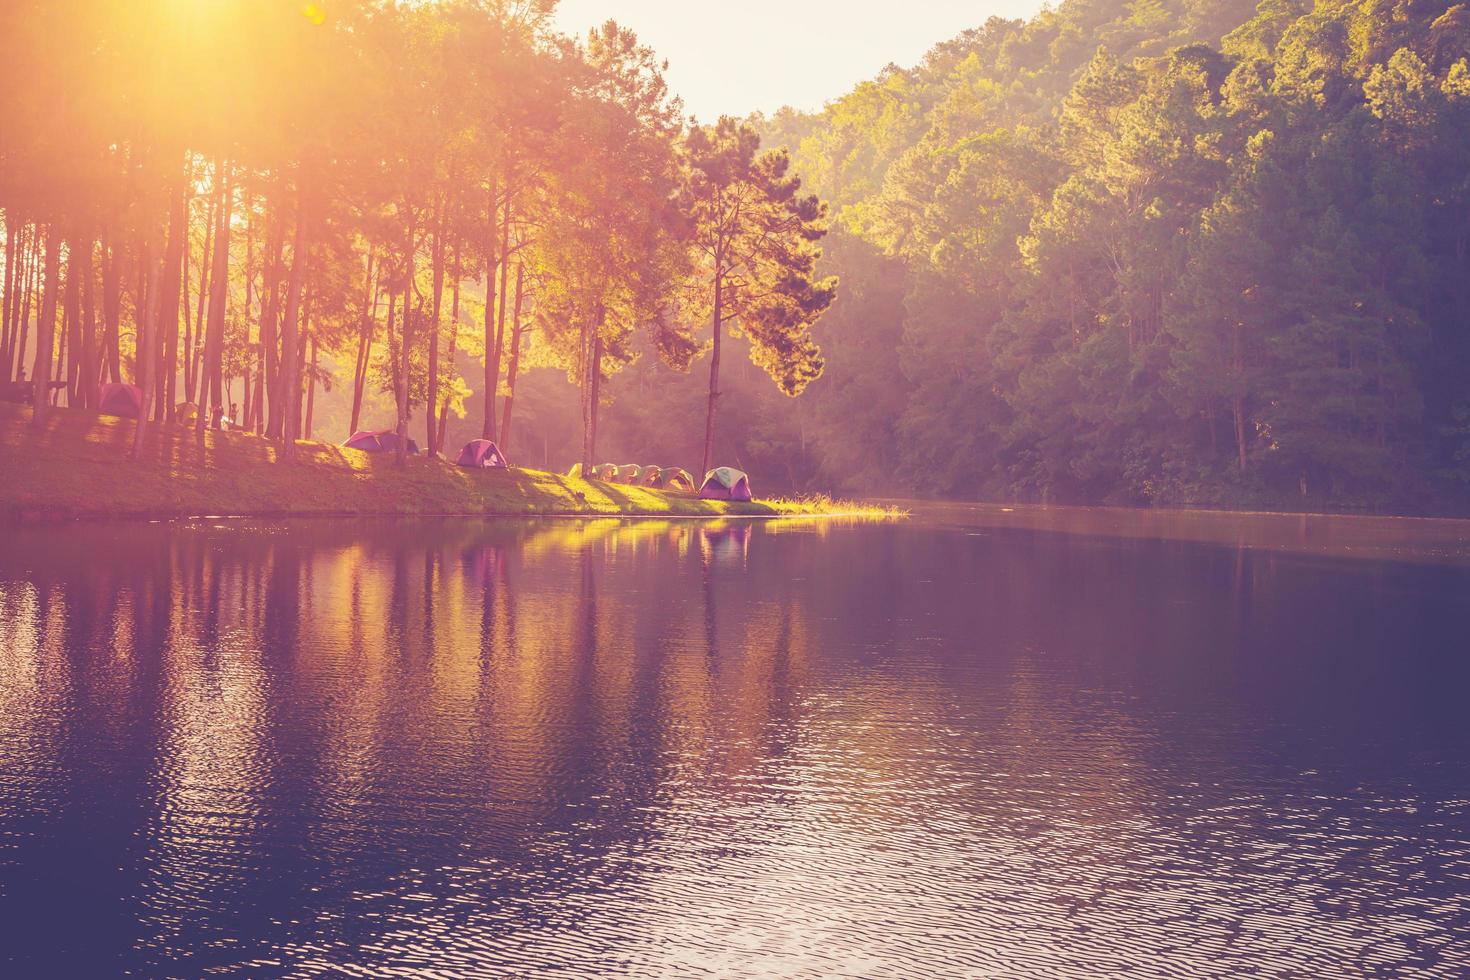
column 481, row 454
column 124, row 401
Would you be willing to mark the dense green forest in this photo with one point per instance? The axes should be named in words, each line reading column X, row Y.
column 1168, row 251
column 1150, row 252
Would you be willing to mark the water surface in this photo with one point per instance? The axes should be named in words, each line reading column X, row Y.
column 944, row 747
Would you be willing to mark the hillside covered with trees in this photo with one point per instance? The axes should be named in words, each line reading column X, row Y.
column 1165, row 251
column 1149, row 252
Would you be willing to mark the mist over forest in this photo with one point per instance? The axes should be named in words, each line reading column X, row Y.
column 1160, row 252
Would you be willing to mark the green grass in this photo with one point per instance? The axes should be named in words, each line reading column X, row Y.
column 78, row 465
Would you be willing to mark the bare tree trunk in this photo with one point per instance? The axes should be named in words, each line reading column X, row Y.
column 406, row 343
column 498, row 352
column 431, row 414
column 147, row 356
column 311, row 387
column 1237, row 405
column 7, row 305
column 492, row 367
column 584, row 377
column 73, row 318
column 45, row 328
column 195, row 353
column 89, row 328
column 513, row 369
column 304, row 338
column 714, row 375
column 168, row 303
column 219, row 281
column 364, row 345
column 246, row 394
column 28, row 298
column 596, row 399
column 270, row 315
column 290, row 381
column 453, row 343
column 591, row 388
column 58, row 371
column 393, row 346
column 112, row 304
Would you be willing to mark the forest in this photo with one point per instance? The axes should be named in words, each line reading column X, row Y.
column 1160, row 252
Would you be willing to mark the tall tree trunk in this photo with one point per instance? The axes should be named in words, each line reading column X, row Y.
column 591, row 387
column 270, row 313
column 7, row 304
column 290, row 380
column 194, row 356
column 89, row 328
column 364, row 344
column 247, row 395
column 144, row 278
column 453, row 343
column 168, row 303
column 714, row 373
column 219, row 282
column 1237, row 402
column 513, row 369
column 311, row 388
column 304, row 337
column 492, row 367
column 584, row 387
column 58, row 371
column 596, row 399
column 30, row 284
column 406, row 343
column 46, row 328
column 73, row 319
column 499, row 350
column 147, row 356
column 436, row 259
column 394, row 374
column 112, row 304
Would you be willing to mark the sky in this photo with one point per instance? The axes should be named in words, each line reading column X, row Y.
column 741, row 56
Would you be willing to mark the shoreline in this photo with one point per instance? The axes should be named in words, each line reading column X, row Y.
column 78, row 468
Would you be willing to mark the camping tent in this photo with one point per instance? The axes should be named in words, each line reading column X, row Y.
column 652, row 476
column 630, row 473
column 606, row 472
column 385, row 441
column 481, row 454
column 576, row 470
column 725, row 483
column 678, row 479
column 186, row 413
column 124, row 401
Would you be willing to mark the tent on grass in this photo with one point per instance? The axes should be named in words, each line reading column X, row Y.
column 124, row 401
column 385, row 441
column 676, row 479
column 606, row 472
column 652, row 476
column 186, row 413
column 630, row 473
column 482, row 454
column 576, row 470
column 725, row 483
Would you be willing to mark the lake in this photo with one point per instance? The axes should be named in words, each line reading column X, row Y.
column 982, row 742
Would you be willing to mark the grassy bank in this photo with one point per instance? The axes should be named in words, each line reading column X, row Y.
column 78, row 466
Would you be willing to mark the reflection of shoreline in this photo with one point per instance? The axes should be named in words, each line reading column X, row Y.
column 1425, row 540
